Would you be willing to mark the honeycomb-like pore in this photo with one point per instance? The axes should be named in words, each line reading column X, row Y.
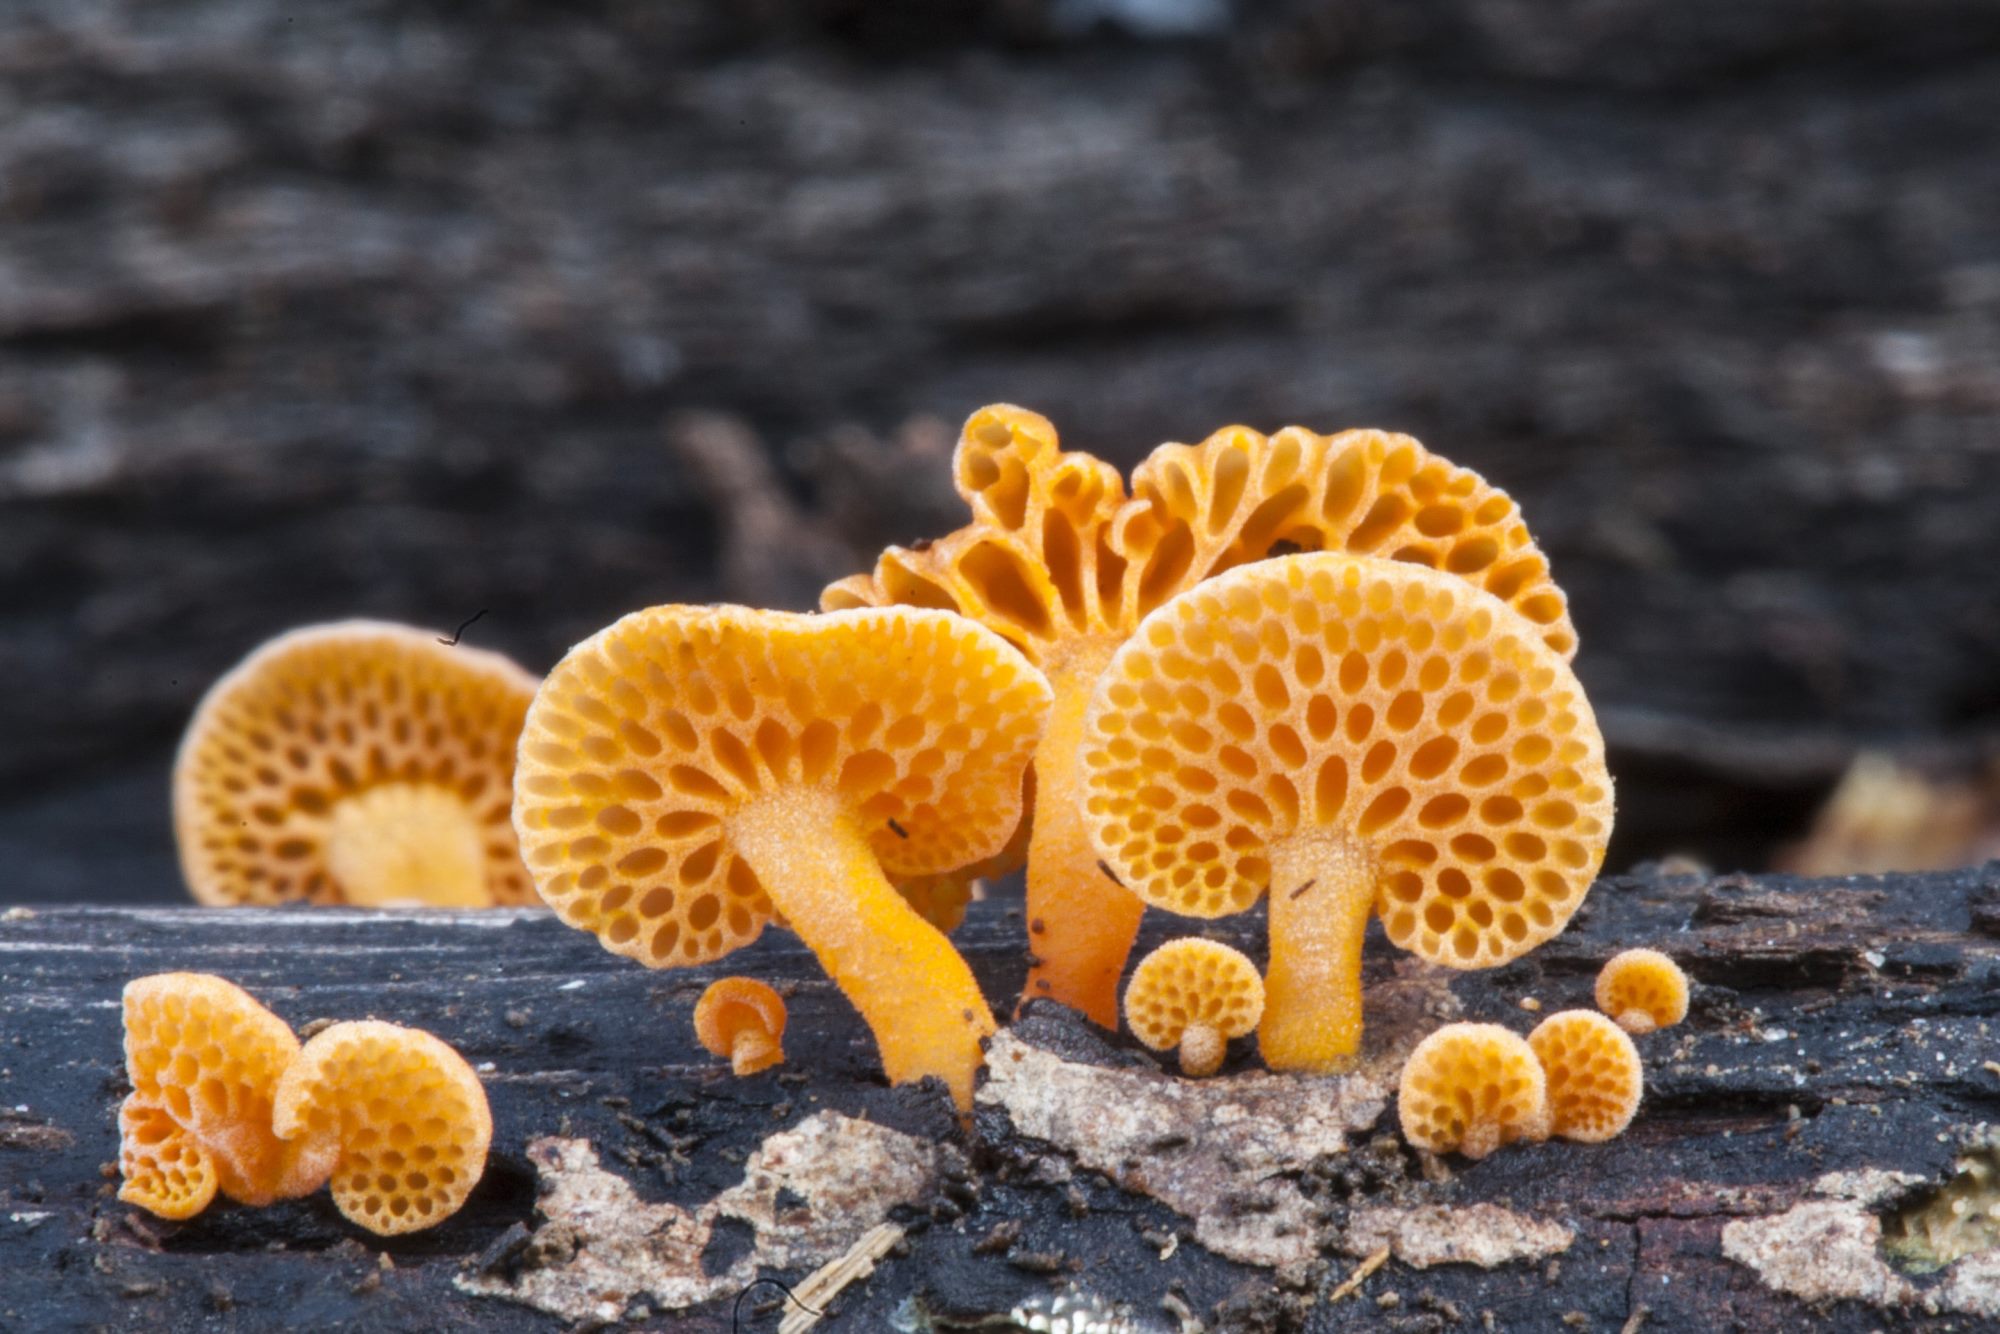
column 408, row 1113
column 1035, row 564
column 1643, row 990
column 166, row 1171
column 201, row 1052
column 1472, row 1088
column 1192, row 982
column 1593, row 1073
column 941, row 898
column 1380, row 703
column 650, row 736
column 743, row 1019
column 358, row 736
column 1197, row 510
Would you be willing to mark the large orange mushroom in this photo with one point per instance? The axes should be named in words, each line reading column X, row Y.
column 1360, row 737
column 1059, row 561
column 689, row 773
column 359, row 762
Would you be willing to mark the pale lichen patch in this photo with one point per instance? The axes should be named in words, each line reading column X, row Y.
column 807, row 1193
column 1486, row 1235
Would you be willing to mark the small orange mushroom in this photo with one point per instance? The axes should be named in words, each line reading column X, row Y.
column 1362, row 737
column 741, row 1018
column 360, row 763
column 1593, row 1072
column 1059, row 561
column 1472, row 1088
column 205, row 1060
column 689, row 773
column 408, row 1115
column 1643, row 990
column 1195, row 994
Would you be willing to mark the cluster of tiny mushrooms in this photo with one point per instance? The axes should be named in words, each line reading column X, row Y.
column 1331, row 672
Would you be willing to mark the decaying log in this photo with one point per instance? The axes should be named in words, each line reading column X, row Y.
column 1837, row 1068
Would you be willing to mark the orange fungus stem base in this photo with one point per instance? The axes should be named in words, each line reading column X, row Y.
column 1081, row 923
column 912, row 987
column 1322, row 894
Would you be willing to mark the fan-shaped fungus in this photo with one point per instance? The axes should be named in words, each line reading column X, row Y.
column 1643, row 990
column 688, row 773
column 408, row 1114
column 205, row 1061
column 1594, row 1078
column 1361, row 736
column 741, row 1018
column 1061, row 563
column 1194, row 994
column 354, row 763
column 1473, row 1088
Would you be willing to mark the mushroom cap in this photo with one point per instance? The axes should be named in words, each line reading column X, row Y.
column 166, row 1171
column 330, row 713
column 1374, row 701
column 1057, row 552
column 731, row 1004
column 1643, row 990
column 408, row 1113
column 650, row 735
column 1193, row 981
column 1472, row 1087
column 203, row 1054
column 1594, row 1077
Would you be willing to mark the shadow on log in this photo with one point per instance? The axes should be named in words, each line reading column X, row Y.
column 1836, row 1070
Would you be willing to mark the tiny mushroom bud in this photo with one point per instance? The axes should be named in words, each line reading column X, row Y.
column 408, row 1114
column 1594, row 1078
column 1362, row 737
column 205, row 1061
column 741, row 1018
column 1196, row 994
column 1473, row 1088
column 1063, row 564
column 360, row 763
column 689, row 773
column 1643, row 990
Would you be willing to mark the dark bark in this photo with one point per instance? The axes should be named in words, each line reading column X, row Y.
column 1838, row 1026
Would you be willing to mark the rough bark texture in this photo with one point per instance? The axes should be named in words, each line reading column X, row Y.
column 393, row 309
column 1836, row 1061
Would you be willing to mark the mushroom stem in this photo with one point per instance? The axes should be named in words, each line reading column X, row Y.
column 1322, row 894
column 911, row 986
column 1202, row 1048
column 753, row 1050
column 406, row 843
column 1081, row 923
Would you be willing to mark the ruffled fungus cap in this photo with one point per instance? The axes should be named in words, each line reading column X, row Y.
column 743, row 1019
column 1643, row 990
column 360, row 762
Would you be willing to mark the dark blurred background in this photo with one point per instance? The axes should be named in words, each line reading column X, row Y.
column 415, row 310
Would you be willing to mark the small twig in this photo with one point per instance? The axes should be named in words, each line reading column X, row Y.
column 1303, row 888
column 736, row 1311
column 453, row 641
column 828, row 1281
column 1633, row 1321
column 1360, row 1274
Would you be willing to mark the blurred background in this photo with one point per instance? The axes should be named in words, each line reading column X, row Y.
column 420, row 309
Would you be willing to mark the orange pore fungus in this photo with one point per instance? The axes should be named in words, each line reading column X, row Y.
column 1472, row 1088
column 1196, row 995
column 1643, row 990
column 409, row 1117
column 1060, row 561
column 359, row 763
column 689, row 773
column 1593, row 1073
column 743, row 1019
column 1361, row 737
column 205, row 1060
